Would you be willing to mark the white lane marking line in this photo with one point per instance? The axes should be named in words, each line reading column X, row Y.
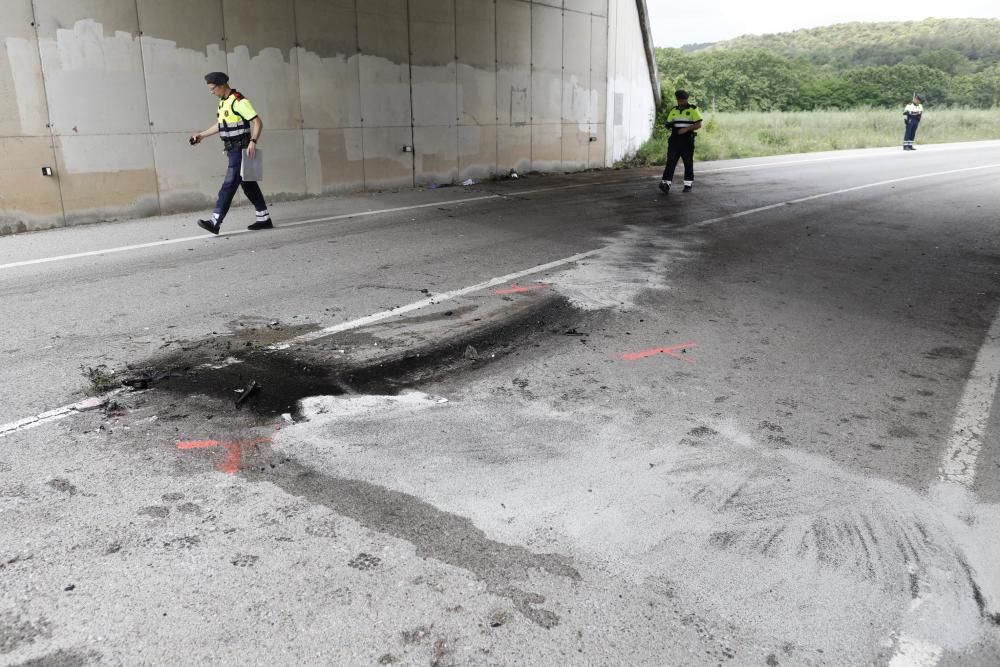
column 430, row 301
column 867, row 156
column 205, row 237
column 311, row 221
column 822, row 195
column 973, row 412
column 912, row 652
column 57, row 414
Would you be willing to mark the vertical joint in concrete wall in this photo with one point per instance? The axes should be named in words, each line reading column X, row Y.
column 409, row 63
column 145, row 90
column 48, row 110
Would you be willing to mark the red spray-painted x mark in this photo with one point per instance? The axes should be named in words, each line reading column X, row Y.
column 234, row 451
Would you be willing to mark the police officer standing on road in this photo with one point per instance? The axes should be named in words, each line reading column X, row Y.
column 683, row 121
column 240, row 128
column 911, row 117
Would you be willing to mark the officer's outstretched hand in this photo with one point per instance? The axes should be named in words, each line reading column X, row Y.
column 194, row 139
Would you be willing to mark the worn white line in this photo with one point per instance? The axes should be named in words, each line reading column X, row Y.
column 310, row 221
column 207, row 237
column 431, row 301
column 832, row 193
column 973, row 412
column 58, row 413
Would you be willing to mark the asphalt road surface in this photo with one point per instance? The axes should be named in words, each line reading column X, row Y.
column 558, row 420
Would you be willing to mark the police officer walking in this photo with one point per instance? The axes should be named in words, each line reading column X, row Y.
column 683, row 121
column 240, row 128
column 911, row 117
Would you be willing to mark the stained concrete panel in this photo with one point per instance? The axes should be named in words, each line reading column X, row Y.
column 575, row 146
column 433, row 71
column 107, row 177
column 188, row 177
column 337, row 158
column 92, row 61
column 263, row 65
column 329, row 69
column 284, row 165
column 30, row 200
column 599, row 7
column 596, row 152
column 477, row 152
column 436, row 154
column 546, row 147
column 476, row 49
column 385, row 71
column 546, row 61
column 181, row 42
column 577, row 93
column 23, row 109
column 513, row 148
column 513, row 62
column 386, row 165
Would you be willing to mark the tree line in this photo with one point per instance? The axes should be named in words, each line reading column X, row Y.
column 954, row 62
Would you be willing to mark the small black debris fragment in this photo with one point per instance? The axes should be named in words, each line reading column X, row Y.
column 70, row 587
column 246, row 391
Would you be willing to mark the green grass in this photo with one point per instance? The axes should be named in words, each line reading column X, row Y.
column 754, row 134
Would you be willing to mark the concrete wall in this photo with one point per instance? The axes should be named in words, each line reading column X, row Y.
column 631, row 104
column 107, row 91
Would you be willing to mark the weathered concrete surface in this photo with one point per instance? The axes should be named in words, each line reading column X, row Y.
column 475, row 88
column 768, row 492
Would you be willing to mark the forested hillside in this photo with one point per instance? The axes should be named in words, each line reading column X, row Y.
column 954, row 62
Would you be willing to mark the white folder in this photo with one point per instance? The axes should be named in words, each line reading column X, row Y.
column 252, row 169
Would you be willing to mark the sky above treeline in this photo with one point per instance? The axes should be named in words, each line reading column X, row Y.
column 675, row 24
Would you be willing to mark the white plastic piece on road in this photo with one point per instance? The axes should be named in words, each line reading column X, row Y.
column 912, row 652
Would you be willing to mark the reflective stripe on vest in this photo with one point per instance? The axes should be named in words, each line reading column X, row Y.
column 231, row 124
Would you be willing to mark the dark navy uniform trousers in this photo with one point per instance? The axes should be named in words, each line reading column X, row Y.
column 233, row 182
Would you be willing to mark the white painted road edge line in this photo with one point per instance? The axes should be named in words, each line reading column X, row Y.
column 973, row 413
column 822, row 195
column 431, row 301
column 57, row 414
column 958, row 466
column 311, row 221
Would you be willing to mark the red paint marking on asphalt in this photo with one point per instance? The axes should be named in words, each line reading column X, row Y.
column 671, row 351
column 517, row 289
column 198, row 444
column 234, row 451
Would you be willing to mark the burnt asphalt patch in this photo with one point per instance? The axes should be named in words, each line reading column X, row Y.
column 214, row 367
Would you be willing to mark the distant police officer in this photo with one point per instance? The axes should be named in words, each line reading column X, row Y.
column 911, row 117
column 240, row 128
column 682, row 121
